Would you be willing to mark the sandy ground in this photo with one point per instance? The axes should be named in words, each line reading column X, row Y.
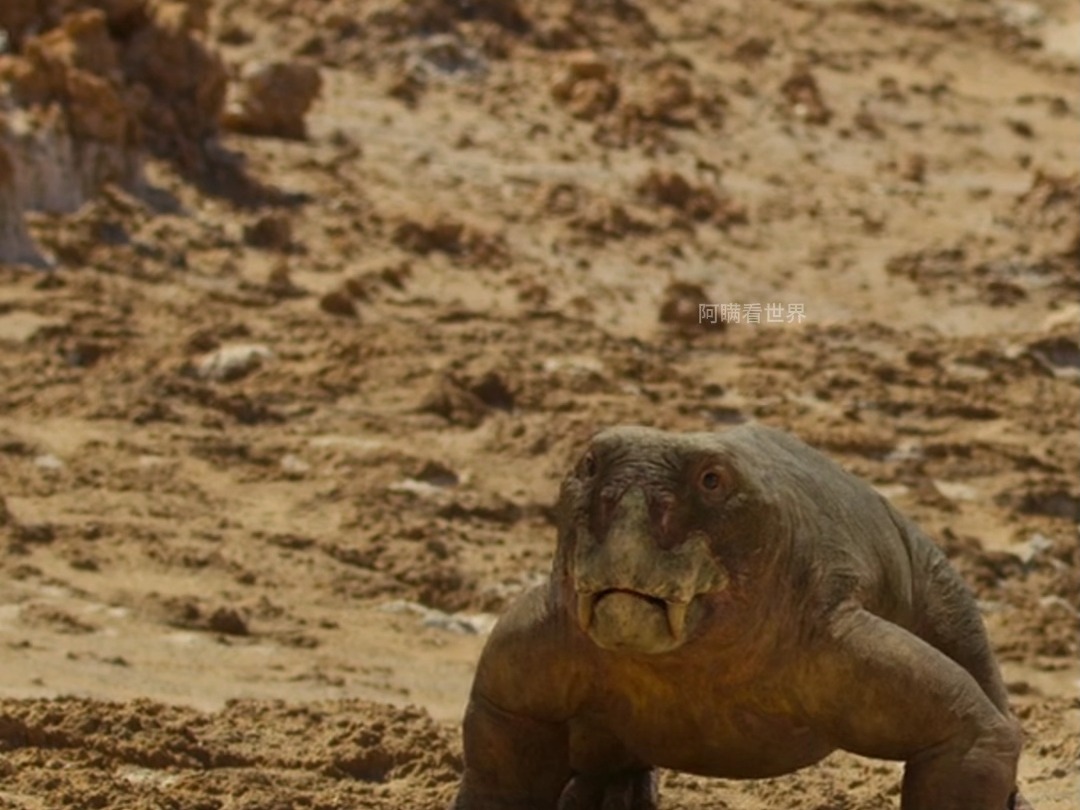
column 280, row 432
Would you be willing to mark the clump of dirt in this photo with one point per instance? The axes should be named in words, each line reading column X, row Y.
column 468, row 400
column 273, row 99
column 1052, row 204
column 805, row 100
column 587, row 87
column 698, row 202
column 635, row 109
column 452, row 237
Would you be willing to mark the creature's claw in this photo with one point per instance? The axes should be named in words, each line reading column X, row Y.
column 626, row 790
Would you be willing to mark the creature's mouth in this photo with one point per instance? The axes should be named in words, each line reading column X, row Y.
column 627, row 600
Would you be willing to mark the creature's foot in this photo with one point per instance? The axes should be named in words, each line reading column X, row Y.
column 626, row 790
column 961, row 775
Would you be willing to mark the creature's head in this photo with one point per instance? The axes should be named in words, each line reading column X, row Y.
column 657, row 532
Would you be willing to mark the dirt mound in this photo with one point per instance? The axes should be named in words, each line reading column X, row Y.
column 140, row 754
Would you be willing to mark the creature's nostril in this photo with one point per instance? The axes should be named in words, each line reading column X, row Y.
column 661, row 510
column 611, row 495
column 606, row 503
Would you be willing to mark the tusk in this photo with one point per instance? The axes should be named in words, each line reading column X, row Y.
column 584, row 609
column 676, row 617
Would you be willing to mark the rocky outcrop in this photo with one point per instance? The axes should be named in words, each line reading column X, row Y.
column 87, row 87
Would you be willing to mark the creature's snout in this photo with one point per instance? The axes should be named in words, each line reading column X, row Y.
column 637, row 583
column 625, row 511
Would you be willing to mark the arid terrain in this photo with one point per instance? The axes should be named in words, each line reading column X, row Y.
column 306, row 306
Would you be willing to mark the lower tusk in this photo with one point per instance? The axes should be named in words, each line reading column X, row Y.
column 584, row 609
column 676, row 617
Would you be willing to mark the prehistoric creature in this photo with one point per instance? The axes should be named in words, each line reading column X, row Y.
column 733, row 605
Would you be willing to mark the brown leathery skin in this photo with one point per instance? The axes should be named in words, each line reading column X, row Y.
column 734, row 605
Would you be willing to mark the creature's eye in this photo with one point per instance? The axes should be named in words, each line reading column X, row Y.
column 715, row 479
column 588, row 465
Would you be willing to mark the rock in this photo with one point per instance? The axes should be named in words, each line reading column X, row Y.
column 456, row 239
column 36, row 534
column 70, row 131
column 233, row 362
column 272, row 232
column 1054, row 502
column 16, row 246
column 954, row 490
column 1059, row 355
column 273, row 99
column 413, row 486
column 1056, row 602
column 279, row 282
column 492, row 389
column 700, row 203
column 682, row 307
column 804, row 97
column 913, row 167
column 674, row 190
column 753, row 49
column 586, row 87
column 584, row 365
column 227, row 621
column 294, row 467
column 438, row 475
column 340, row 303
column 1020, row 14
column 447, row 55
column 1068, row 315
column 49, row 463
column 454, row 402
column 463, row 623
column 671, row 97
column 86, row 89
column 20, row 326
column 1035, row 547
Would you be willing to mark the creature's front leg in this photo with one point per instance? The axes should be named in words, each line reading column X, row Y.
column 512, row 762
column 884, row 693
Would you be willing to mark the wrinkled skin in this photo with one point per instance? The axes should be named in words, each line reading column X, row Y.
column 733, row 605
